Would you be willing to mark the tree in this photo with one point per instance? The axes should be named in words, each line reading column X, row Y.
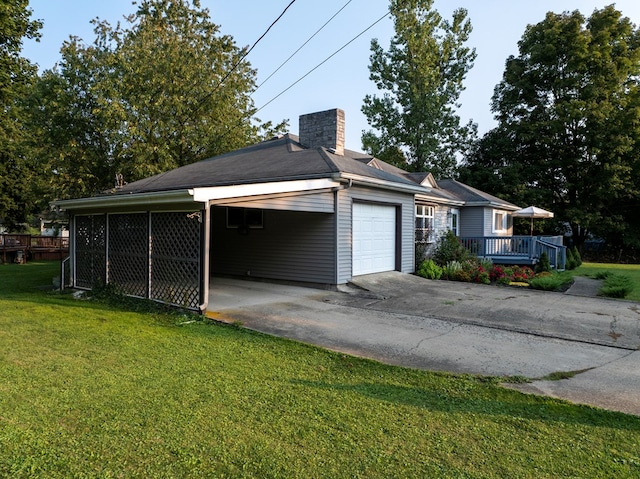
column 16, row 74
column 422, row 77
column 568, row 109
column 164, row 91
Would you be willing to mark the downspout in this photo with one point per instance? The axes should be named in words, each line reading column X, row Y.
column 204, row 258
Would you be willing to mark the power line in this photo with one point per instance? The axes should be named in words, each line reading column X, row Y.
column 323, row 61
column 233, row 68
column 303, row 45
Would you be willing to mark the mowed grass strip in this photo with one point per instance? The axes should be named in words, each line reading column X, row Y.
column 92, row 390
column 630, row 270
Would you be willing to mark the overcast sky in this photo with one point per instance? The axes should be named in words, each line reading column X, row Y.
column 343, row 81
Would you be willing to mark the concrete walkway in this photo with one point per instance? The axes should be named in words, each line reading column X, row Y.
column 458, row 327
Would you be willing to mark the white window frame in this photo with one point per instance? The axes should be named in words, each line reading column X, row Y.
column 426, row 215
column 500, row 225
column 454, row 221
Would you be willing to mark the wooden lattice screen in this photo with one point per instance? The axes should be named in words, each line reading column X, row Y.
column 175, row 259
column 146, row 255
column 90, row 243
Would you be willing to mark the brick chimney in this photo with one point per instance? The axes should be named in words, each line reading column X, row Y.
column 324, row 128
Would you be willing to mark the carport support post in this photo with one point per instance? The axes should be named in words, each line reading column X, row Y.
column 205, row 243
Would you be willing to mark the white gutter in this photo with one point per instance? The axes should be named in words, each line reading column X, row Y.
column 197, row 195
column 388, row 185
column 439, row 200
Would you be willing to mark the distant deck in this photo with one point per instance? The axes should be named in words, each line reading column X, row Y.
column 17, row 248
column 518, row 250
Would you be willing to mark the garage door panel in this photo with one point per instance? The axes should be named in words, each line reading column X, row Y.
column 374, row 238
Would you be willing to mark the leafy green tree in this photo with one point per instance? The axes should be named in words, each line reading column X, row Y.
column 422, row 77
column 16, row 73
column 162, row 91
column 568, row 109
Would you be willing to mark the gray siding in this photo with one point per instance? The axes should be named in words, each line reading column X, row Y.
column 292, row 246
column 488, row 223
column 472, row 221
column 313, row 202
column 405, row 215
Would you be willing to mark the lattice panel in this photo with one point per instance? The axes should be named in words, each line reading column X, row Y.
column 175, row 259
column 128, row 253
column 90, row 251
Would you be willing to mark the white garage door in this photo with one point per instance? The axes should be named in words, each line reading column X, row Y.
column 374, row 238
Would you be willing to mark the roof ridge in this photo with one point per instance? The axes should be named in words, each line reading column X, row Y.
column 324, row 154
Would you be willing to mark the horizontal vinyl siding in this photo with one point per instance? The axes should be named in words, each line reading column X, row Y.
column 406, row 215
column 314, row 203
column 471, row 221
column 292, row 246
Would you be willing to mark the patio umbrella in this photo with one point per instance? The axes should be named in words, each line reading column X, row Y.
column 532, row 212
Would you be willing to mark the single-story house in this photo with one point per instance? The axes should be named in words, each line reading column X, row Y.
column 294, row 208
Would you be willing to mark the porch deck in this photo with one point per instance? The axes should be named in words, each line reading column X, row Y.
column 17, row 247
column 520, row 250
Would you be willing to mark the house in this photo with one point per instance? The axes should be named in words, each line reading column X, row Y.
column 301, row 209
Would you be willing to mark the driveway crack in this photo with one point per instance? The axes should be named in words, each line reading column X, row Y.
column 429, row 338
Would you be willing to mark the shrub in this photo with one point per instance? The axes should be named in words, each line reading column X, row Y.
column 577, row 259
column 430, row 270
column 571, row 262
column 449, row 248
column 602, row 274
column 546, row 283
column 486, row 263
column 616, row 286
column 543, row 264
column 521, row 274
column 449, row 270
column 496, row 273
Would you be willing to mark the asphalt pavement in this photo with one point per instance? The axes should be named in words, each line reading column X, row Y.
column 405, row 320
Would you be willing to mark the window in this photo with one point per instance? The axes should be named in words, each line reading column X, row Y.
column 243, row 218
column 424, row 223
column 454, row 221
column 500, row 221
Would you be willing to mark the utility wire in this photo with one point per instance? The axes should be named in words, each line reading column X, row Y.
column 323, row 61
column 233, row 68
column 304, row 44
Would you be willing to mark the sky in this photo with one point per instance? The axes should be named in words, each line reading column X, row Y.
column 343, row 80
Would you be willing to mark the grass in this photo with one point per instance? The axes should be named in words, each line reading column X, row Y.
column 599, row 270
column 89, row 389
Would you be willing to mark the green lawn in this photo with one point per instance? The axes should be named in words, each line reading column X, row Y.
column 92, row 390
column 630, row 270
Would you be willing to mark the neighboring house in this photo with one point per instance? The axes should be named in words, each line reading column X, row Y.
column 301, row 209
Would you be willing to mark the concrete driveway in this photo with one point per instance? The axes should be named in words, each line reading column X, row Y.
column 457, row 327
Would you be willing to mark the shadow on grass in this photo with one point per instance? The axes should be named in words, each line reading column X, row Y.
column 497, row 402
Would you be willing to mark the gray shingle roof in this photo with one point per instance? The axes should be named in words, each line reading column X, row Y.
column 280, row 159
column 468, row 194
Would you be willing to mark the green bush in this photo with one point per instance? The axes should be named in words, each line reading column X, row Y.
column 602, row 274
column 571, row 264
column 577, row 259
column 544, row 264
column 616, row 286
column 449, row 248
column 551, row 282
column 449, row 270
column 430, row 270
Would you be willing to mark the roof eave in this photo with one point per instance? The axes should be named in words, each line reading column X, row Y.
column 156, row 198
column 384, row 184
column 492, row 204
column 440, row 200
